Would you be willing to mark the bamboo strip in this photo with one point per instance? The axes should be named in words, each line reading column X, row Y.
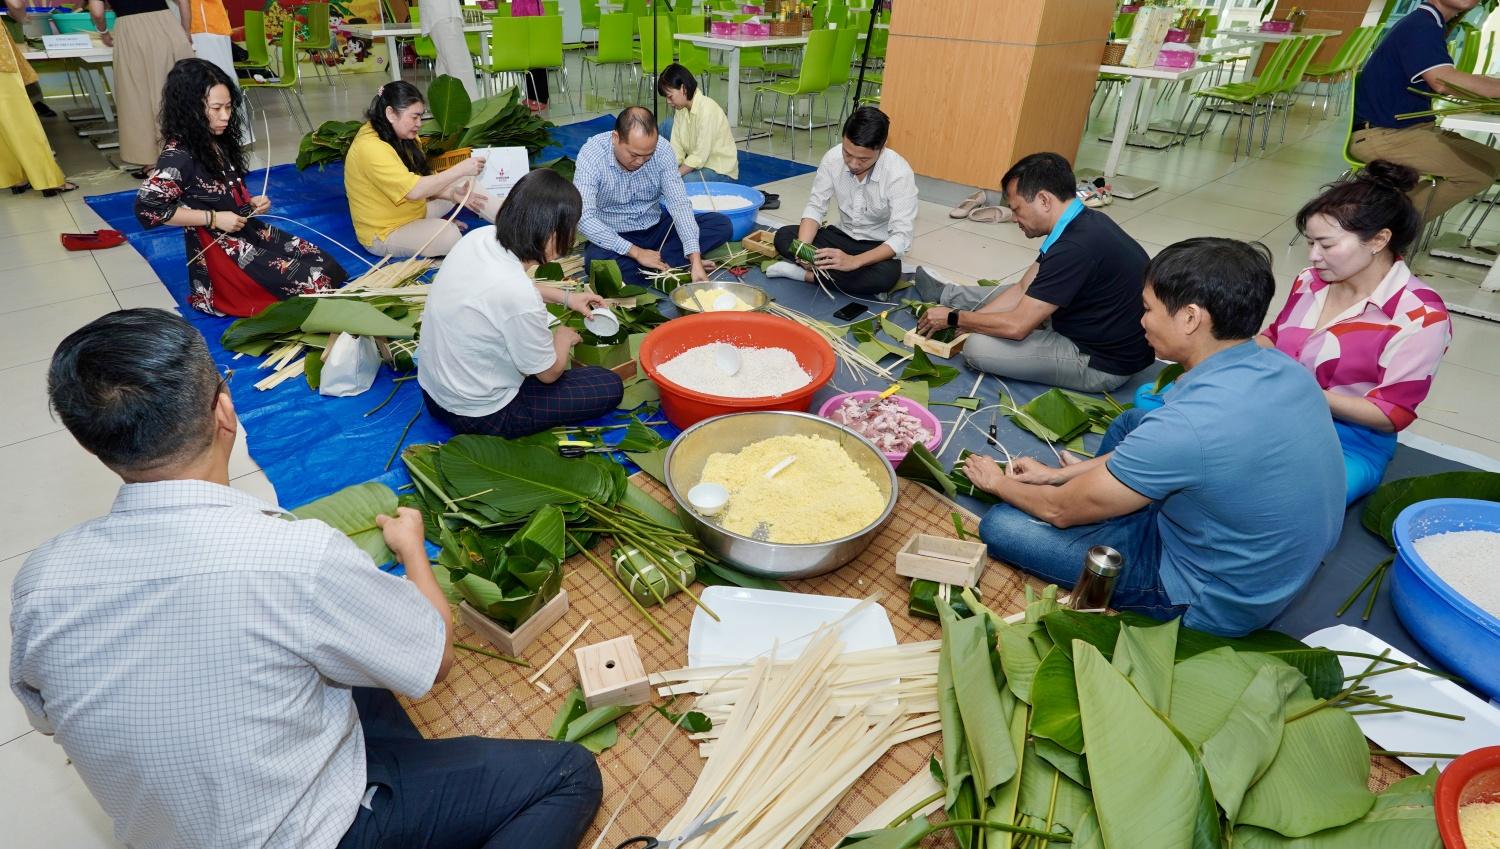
column 567, row 644
column 920, row 786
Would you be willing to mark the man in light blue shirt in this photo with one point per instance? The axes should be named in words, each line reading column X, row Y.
column 1224, row 500
column 625, row 176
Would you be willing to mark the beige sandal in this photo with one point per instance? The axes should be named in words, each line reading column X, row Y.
column 963, row 209
column 991, row 215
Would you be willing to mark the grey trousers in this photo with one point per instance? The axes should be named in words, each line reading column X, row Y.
column 1044, row 356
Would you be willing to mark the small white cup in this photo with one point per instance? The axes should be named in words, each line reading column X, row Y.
column 602, row 322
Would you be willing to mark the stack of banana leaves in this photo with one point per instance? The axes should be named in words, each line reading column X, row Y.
column 1118, row 732
column 1062, row 417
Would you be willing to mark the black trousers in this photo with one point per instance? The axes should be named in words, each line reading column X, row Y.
column 536, row 85
column 871, row 280
column 579, row 394
column 467, row 792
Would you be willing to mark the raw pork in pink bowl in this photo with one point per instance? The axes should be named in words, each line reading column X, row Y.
column 893, row 425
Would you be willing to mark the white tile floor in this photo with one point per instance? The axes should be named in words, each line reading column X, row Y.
column 45, row 293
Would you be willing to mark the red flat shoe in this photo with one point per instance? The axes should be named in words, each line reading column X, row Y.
column 97, row 240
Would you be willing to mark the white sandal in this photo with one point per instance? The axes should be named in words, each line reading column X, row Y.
column 963, row 209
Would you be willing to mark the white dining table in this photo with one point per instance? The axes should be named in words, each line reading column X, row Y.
column 96, row 61
column 1258, row 41
column 732, row 45
column 391, row 32
column 1134, row 129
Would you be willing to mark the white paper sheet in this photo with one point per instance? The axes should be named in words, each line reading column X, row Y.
column 503, row 166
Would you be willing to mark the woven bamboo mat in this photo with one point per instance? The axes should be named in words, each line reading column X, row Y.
column 490, row 698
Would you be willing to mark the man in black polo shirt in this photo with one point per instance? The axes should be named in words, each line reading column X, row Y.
column 1414, row 55
column 1085, row 284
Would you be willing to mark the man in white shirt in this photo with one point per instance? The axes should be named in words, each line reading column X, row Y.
column 877, row 200
column 219, row 672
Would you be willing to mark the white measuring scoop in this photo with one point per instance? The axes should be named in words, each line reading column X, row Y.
column 727, row 358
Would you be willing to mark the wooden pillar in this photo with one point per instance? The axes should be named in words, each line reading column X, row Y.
column 973, row 85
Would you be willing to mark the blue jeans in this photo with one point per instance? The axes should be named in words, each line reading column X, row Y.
column 714, row 230
column 467, row 792
column 1366, row 454
column 1056, row 554
column 694, row 176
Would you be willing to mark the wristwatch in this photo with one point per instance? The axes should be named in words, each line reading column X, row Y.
column 953, row 318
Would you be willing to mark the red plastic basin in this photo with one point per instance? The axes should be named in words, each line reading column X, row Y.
column 1475, row 777
column 684, row 407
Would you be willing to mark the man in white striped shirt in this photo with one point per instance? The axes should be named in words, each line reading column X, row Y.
column 624, row 177
column 219, row 672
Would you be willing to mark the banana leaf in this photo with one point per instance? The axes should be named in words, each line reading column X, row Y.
column 1055, row 712
column 1387, row 501
column 1401, row 818
column 964, row 486
column 1145, row 656
column 542, row 538
column 515, row 480
column 572, row 708
column 312, row 368
column 607, row 282
column 1166, row 377
column 1239, row 753
column 922, row 368
column 1323, row 759
column 1146, row 787
column 916, row 390
column 259, row 333
column 347, row 315
column 549, row 271
column 449, row 103
column 963, row 402
column 641, row 391
column 922, row 600
column 1205, row 689
column 1020, row 657
column 919, row 465
column 640, row 438
column 869, row 343
column 956, row 767
column 891, row 328
column 352, row 511
column 992, row 758
column 1053, row 417
column 904, row 836
column 1066, row 808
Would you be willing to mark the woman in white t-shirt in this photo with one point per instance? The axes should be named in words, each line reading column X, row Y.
column 489, row 363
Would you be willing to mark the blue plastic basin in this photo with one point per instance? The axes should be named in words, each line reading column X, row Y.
column 69, row 22
column 743, row 220
column 1454, row 629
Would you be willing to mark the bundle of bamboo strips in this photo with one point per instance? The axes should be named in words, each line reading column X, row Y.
column 789, row 747
column 860, row 367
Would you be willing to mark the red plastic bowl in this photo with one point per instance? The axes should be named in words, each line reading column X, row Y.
column 685, row 407
column 1475, row 777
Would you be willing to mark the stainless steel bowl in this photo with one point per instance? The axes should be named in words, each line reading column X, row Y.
column 756, row 297
column 690, row 452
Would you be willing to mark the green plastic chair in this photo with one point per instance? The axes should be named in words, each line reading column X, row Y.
column 550, row 8
column 319, row 38
column 616, row 47
column 811, row 81
column 510, row 46
column 755, row 60
column 1338, row 70
column 255, row 42
column 422, row 45
column 588, row 16
column 1355, row 164
column 839, row 72
column 288, row 78
column 502, row 10
column 546, row 49
column 662, row 42
column 637, row 10
column 695, row 57
column 1286, row 94
column 1249, row 97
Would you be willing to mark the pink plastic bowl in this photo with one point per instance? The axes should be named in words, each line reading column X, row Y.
column 921, row 412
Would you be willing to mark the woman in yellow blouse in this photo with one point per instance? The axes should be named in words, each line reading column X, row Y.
column 396, row 204
column 26, row 160
column 699, row 130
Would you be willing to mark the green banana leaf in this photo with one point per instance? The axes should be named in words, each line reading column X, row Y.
column 1020, row 656
column 258, row 333
column 1066, row 807
column 919, row 465
column 549, row 271
column 352, row 511
column 653, row 463
column 870, row 344
column 312, row 368
column 608, row 282
column 1238, row 754
column 515, row 480
column 1055, row 713
column 542, row 538
column 917, row 390
column 1166, row 377
column 1205, row 689
column 1401, row 818
column 357, row 318
column 991, row 755
column 640, row 438
column 963, row 486
column 1146, row 787
column 1053, row 417
column 1145, row 656
column 572, row 708
column 590, row 722
column 450, row 104
column 903, row 836
column 1388, row 500
column 1324, row 757
column 922, row 600
column 1008, row 795
column 956, row 767
column 921, row 367
column 892, row 329
column 1068, row 763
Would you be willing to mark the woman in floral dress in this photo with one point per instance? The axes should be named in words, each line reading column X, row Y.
column 237, row 265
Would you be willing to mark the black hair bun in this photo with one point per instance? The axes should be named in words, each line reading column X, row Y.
column 1391, row 175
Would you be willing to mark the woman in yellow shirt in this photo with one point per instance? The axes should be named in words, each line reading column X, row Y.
column 699, row 129
column 396, row 204
column 26, row 160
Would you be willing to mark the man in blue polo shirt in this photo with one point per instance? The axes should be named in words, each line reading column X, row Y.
column 1414, row 55
column 1224, row 500
column 1074, row 319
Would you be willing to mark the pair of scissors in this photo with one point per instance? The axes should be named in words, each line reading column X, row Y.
column 700, row 826
column 572, row 448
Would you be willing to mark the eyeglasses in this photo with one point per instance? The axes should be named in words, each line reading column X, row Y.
column 224, row 377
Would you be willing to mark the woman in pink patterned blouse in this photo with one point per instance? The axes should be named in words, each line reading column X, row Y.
column 1369, row 331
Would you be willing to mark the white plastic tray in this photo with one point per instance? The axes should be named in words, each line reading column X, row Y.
column 1411, row 732
column 752, row 620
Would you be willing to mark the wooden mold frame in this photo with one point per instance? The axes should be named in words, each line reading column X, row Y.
column 947, row 561
column 761, row 242
column 611, row 673
column 946, row 350
column 515, row 642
